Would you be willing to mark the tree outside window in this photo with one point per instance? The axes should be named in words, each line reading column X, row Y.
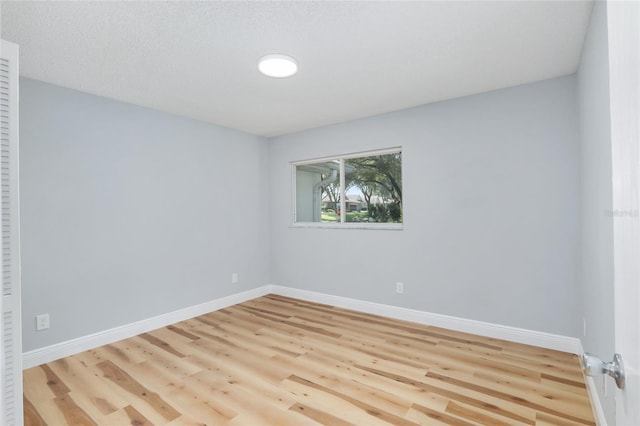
column 364, row 188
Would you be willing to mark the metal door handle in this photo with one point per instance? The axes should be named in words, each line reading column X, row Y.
column 594, row 366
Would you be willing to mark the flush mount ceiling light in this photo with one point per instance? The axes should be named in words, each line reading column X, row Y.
column 277, row 66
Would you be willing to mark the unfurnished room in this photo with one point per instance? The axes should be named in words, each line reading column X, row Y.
column 320, row 212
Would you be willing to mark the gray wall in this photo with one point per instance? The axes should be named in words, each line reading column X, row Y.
column 128, row 213
column 596, row 268
column 490, row 213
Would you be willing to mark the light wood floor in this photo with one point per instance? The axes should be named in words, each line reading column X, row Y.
column 281, row 361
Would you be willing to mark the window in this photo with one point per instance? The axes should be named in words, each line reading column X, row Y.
column 356, row 190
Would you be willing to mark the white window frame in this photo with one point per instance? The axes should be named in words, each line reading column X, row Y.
column 343, row 224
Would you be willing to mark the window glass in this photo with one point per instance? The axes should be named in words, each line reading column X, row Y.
column 374, row 188
column 370, row 193
column 318, row 192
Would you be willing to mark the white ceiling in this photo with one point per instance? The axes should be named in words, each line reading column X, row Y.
column 199, row 59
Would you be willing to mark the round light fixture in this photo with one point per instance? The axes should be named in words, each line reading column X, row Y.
column 277, row 66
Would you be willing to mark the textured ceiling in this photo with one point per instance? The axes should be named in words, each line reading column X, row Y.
column 199, row 59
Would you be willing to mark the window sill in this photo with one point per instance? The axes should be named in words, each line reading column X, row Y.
column 350, row 225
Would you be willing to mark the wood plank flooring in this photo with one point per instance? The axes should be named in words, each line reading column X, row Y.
column 281, row 361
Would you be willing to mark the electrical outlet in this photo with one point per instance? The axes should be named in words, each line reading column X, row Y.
column 234, row 278
column 399, row 288
column 42, row 322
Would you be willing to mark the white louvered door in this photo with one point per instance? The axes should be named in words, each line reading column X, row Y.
column 11, row 338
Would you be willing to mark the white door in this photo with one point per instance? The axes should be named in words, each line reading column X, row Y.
column 624, row 56
column 10, row 330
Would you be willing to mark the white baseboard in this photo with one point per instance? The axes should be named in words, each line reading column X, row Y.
column 70, row 347
column 519, row 335
column 535, row 338
column 513, row 334
column 594, row 397
column 598, row 412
